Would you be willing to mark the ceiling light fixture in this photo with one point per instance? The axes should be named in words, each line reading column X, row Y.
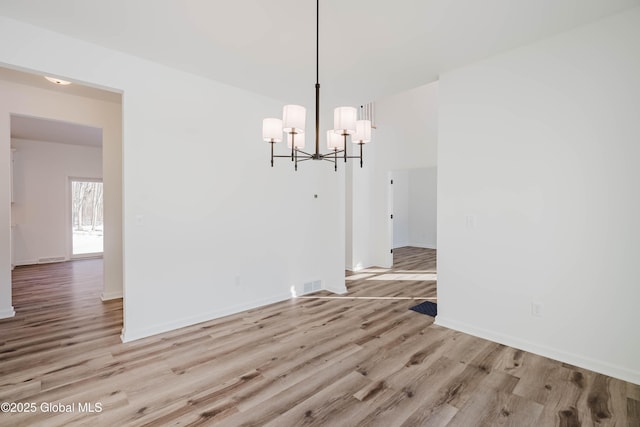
column 57, row 81
column 345, row 123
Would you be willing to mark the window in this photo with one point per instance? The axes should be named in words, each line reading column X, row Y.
column 87, row 225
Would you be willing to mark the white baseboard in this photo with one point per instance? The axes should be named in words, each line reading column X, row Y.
column 423, row 245
column 129, row 334
column 356, row 268
column 7, row 312
column 337, row 290
column 52, row 259
column 25, row 262
column 86, row 256
column 600, row 366
column 110, row 295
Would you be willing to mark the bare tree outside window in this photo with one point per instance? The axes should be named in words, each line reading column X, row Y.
column 87, row 217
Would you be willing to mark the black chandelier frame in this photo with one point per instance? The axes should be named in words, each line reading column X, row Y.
column 297, row 155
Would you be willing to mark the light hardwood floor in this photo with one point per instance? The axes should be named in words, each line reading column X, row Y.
column 348, row 361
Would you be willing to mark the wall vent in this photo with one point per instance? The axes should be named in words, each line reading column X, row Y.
column 310, row 287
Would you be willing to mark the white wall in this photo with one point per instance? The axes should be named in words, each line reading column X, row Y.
column 401, row 208
column 538, row 185
column 359, row 222
column 209, row 227
column 405, row 138
column 422, row 198
column 37, row 102
column 40, row 211
column 6, row 308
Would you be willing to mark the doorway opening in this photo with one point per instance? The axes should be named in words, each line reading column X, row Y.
column 87, row 218
column 57, row 134
column 412, row 202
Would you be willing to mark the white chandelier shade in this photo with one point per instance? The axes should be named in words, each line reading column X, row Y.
column 293, row 118
column 335, row 141
column 272, row 130
column 344, row 120
column 297, row 139
column 363, row 132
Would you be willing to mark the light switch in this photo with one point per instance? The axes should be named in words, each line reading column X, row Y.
column 471, row 221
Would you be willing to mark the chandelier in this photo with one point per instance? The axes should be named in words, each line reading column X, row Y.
column 291, row 126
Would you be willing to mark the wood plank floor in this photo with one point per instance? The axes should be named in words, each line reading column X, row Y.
column 363, row 359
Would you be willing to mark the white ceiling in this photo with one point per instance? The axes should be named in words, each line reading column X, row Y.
column 38, row 129
column 368, row 48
